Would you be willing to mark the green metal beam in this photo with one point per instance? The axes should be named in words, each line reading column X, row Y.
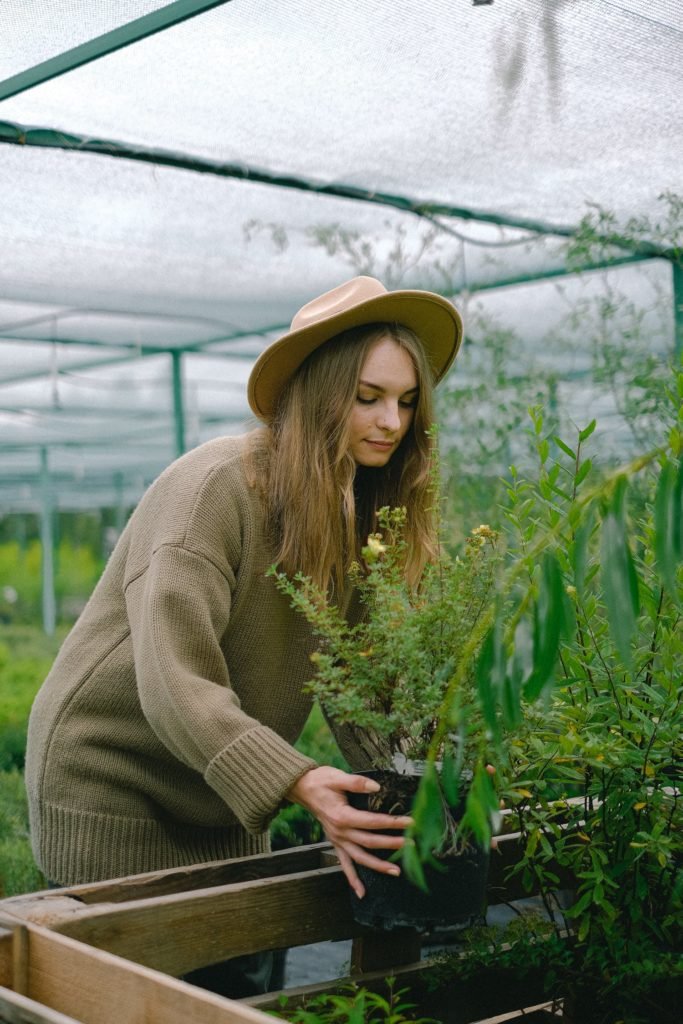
column 60, row 315
column 47, row 545
column 135, row 348
column 109, row 42
column 618, row 261
column 178, row 402
column 22, row 135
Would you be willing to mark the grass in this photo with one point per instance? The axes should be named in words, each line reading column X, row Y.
column 25, row 658
column 18, row 872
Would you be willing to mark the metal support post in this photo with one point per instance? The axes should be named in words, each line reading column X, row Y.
column 677, row 272
column 178, row 402
column 47, row 544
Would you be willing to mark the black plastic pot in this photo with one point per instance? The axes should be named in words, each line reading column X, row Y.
column 456, row 893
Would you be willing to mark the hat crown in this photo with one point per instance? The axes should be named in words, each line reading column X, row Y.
column 344, row 296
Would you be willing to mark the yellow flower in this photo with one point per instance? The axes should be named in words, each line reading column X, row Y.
column 484, row 531
column 375, row 545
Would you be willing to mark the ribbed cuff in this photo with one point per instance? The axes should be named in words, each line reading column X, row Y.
column 79, row 846
column 254, row 774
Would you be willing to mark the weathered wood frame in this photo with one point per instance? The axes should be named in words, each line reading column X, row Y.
column 110, row 952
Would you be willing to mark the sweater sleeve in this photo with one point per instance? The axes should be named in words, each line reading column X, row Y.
column 178, row 610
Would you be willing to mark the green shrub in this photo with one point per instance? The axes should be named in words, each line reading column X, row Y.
column 20, row 679
column 18, row 871
column 77, row 570
column 355, row 1005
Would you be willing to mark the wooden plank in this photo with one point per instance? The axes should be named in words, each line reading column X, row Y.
column 180, row 932
column 46, row 909
column 528, row 1015
column 98, row 988
column 197, row 876
column 18, row 1009
column 20, row 959
column 6, row 957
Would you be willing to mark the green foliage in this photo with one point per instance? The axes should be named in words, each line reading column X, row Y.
column 77, row 570
column 20, row 678
column 635, row 991
column 482, row 411
column 356, row 1005
column 385, row 677
column 600, row 233
column 593, row 773
column 18, row 872
column 593, row 776
column 25, row 658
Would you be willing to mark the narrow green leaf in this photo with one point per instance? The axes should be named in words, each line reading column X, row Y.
column 450, row 771
column 668, row 518
column 428, row 814
column 618, row 572
column 550, row 620
column 584, row 470
column 519, row 668
column 587, row 431
column 480, row 806
column 485, row 690
column 565, row 447
column 580, row 552
column 410, row 862
column 490, row 677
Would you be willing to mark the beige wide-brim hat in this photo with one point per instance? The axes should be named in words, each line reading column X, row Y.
column 363, row 300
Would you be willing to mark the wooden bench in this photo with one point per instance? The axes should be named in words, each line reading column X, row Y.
column 111, row 952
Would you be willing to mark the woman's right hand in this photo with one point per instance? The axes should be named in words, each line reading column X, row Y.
column 352, row 832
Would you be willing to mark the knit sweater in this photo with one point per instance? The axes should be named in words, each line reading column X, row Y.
column 162, row 735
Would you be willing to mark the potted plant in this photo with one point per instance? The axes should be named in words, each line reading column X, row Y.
column 382, row 682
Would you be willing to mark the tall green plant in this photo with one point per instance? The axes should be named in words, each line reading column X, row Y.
column 593, row 774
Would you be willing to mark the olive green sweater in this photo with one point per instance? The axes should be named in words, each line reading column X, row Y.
column 162, row 735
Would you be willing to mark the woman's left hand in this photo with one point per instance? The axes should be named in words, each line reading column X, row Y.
column 352, row 832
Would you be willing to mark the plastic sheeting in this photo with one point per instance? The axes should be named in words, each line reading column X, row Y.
column 520, row 111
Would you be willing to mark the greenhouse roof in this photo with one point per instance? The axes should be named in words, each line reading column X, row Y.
column 178, row 178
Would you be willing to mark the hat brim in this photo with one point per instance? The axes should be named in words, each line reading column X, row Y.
column 433, row 319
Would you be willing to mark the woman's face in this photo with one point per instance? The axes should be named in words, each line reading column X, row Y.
column 385, row 403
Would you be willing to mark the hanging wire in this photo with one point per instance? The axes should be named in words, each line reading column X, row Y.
column 464, row 294
column 507, row 243
column 643, row 17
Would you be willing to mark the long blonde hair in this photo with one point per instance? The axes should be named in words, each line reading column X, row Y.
column 320, row 505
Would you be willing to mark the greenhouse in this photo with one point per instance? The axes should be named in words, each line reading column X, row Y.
column 178, row 179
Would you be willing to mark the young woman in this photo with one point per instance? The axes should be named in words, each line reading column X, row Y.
column 163, row 734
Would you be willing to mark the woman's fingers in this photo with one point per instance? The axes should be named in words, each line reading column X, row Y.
column 361, row 856
column 374, row 840
column 353, row 833
column 349, row 817
column 351, row 874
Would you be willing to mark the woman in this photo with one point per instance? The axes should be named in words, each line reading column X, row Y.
column 163, row 734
